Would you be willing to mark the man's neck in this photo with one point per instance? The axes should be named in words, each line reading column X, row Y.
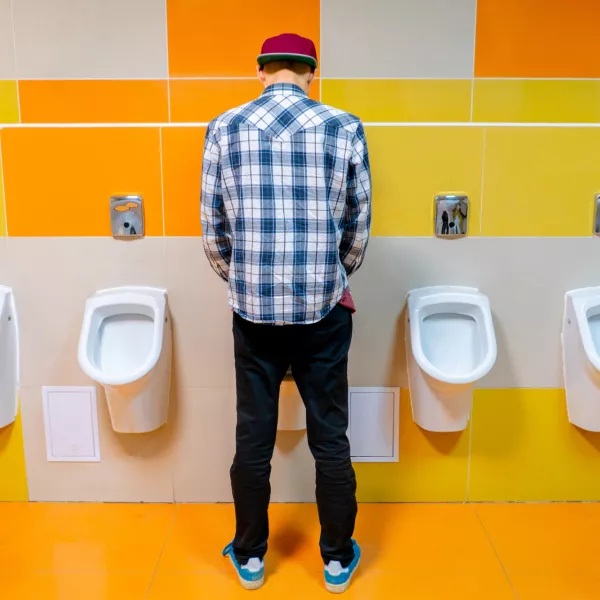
column 288, row 78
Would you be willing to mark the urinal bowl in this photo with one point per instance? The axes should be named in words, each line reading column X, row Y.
column 142, row 405
column 581, row 357
column 450, row 345
column 125, row 345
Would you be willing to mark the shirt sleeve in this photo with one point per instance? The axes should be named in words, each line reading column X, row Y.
column 355, row 236
column 216, row 230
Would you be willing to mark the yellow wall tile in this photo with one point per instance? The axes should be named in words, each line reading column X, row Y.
column 410, row 165
column 536, row 101
column 401, row 100
column 9, row 104
column 540, row 181
column 524, row 449
column 432, row 467
column 13, row 478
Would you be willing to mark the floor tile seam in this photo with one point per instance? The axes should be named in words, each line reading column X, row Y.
column 490, row 541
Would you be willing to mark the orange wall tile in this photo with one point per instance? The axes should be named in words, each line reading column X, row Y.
column 203, row 100
column 537, row 38
column 217, row 39
column 58, row 181
column 93, row 101
column 182, row 167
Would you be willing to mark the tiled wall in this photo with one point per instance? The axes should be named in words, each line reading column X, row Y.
column 500, row 100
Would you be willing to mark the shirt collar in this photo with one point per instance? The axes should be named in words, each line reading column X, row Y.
column 284, row 89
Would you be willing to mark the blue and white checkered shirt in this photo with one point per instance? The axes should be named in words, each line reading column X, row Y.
column 286, row 205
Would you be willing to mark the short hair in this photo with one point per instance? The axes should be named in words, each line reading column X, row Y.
column 296, row 66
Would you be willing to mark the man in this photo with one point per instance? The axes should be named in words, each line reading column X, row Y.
column 286, row 211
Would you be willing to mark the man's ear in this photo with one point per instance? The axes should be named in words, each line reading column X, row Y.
column 261, row 75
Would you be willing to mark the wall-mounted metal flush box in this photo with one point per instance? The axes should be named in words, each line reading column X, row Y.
column 127, row 216
column 451, row 216
column 597, row 215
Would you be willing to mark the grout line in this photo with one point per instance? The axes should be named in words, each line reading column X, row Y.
column 162, row 551
column 376, row 78
column 489, row 539
column 483, row 149
column 366, row 124
column 3, row 188
column 245, row 78
column 321, row 51
column 162, row 180
column 470, row 443
column 99, row 79
column 539, row 78
column 249, row 78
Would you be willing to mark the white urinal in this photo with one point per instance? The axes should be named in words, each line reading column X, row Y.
column 125, row 345
column 9, row 358
column 581, row 357
column 450, row 345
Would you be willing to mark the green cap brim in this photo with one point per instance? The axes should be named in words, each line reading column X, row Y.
column 263, row 59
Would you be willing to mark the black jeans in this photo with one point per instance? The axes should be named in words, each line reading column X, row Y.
column 318, row 355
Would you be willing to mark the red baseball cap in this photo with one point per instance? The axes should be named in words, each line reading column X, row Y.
column 288, row 46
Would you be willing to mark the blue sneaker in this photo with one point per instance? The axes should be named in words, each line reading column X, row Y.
column 338, row 578
column 252, row 574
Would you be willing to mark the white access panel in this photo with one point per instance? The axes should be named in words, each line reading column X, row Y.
column 374, row 424
column 71, row 422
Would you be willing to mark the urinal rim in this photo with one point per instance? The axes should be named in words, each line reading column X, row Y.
column 583, row 305
column 102, row 300
column 7, row 300
column 440, row 298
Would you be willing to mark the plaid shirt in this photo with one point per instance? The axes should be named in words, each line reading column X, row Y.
column 286, row 205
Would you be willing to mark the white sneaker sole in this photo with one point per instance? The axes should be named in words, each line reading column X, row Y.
column 342, row 587
column 247, row 585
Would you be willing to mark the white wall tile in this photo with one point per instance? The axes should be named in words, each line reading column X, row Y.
column 7, row 58
column 204, row 422
column 202, row 338
column 189, row 459
column 204, row 446
column 134, row 468
column 392, row 268
column 293, row 476
column 88, row 39
column 52, row 278
column 412, row 38
column 526, row 280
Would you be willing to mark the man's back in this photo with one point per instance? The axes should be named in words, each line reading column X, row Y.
column 286, row 210
column 286, row 205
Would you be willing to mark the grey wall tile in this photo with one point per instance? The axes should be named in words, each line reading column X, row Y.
column 52, row 278
column 7, row 57
column 383, row 38
column 134, row 468
column 392, row 268
column 526, row 280
column 202, row 338
column 88, row 39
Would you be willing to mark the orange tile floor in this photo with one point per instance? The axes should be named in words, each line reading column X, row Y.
column 159, row 552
